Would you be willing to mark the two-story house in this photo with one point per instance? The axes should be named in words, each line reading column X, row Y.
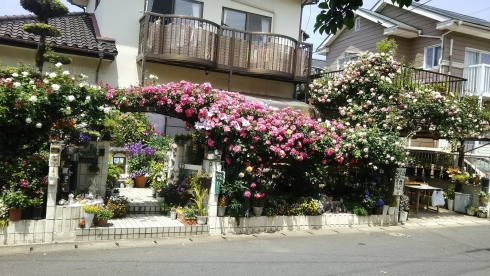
column 445, row 47
column 247, row 46
column 428, row 38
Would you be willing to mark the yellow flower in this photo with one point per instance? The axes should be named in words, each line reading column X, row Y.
column 289, row 132
column 249, row 169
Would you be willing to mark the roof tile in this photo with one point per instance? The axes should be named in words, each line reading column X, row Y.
column 77, row 32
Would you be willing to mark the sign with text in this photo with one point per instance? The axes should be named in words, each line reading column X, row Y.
column 399, row 186
column 220, row 179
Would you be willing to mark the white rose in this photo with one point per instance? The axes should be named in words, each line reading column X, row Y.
column 66, row 73
column 58, row 64
column 107, row 110
column 71, row 98
column 31, row 82
column 33, row 99
column 15, row 75
column 52, row 75
column 55, row 87
column 28, row 120
column 87, row 99
column 16, row 84
column 101, row 108
column 39, row 125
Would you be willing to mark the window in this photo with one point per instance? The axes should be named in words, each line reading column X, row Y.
column 181, row 7
column 431, row 57
column 473, row 57
column 357, row 24
column 341, row 62
column 120, row 162
column 246, row 21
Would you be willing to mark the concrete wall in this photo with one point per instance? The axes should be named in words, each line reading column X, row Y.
column 84, row 177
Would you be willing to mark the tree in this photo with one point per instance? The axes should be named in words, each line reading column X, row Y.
column 45, row 9
column 336, row 14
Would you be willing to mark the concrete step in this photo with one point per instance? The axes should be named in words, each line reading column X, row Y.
column 136, row 226
column 141, row 201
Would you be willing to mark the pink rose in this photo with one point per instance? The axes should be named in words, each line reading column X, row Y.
column 253, row 185
column 247, row 194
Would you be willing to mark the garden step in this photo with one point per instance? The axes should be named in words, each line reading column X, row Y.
column 141, row 201
column 136, row 226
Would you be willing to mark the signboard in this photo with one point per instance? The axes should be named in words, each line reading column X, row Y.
column 399, row 186
column 220, row 179
column 400, row 172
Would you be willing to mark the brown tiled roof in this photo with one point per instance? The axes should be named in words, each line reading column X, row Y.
column 79, row 33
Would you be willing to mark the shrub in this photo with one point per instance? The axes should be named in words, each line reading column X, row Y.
column 104, row 213
column 119, row 206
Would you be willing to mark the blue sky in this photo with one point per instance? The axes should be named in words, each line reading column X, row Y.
column 476, row 8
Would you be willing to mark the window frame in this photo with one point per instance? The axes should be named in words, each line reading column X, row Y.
column 346, row 58
column 173, row 5
column 480, row 52
column 246, row 18
column 433, row 47
column 357, row 24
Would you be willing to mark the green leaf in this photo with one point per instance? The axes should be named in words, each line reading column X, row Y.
column 323, row 5
column 349, row 22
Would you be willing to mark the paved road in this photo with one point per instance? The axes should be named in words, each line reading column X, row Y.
column 463, row 250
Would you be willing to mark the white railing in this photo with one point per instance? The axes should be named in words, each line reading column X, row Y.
column 478, row 80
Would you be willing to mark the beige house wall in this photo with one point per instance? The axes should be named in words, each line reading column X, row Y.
column 351, row 41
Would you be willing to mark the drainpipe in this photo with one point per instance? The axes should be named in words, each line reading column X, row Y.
column 101, row 56
column 443, row 36
column 450, row 56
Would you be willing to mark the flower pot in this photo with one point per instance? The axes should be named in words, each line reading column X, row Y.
column 385, row 209
column 88, row 219
column 391, row 210
column 102, row 222
column 258, row 211
column 201, row 220
column 469, row 212
column 484, row 199
column 221, row 211
column 37, row 212
column 153, row 192
column 173, row 214
column 160, row 199
column 420, row 171
column 437, row 173
column 403, row 216
column 140, row 181
column 15, row 214
column 450, row 204
column 129, row 186
column 482, row 215
column 427, row 172
column 485, row 183
column 377, row 210
column 205, row 182
column 410, row 171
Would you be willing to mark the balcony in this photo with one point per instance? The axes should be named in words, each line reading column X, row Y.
column 411, row 78
column 199, row 43
column 478, row 83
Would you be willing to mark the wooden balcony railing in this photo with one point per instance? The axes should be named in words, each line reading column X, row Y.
column 411, row 78
column 191, row 41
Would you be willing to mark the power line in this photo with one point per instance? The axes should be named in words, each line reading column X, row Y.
column 479, row 11
column 308, row 23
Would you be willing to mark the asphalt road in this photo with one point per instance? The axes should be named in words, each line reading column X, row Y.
column 463, row 250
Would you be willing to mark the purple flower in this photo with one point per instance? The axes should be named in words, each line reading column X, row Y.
column 367, row 194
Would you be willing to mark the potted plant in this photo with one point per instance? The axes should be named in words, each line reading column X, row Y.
column 81, row 224
column 485, row 181
column 180, row 139
column 93, row 168
column 482, row 212
column 173, row 213
column 483, row 196
column 103, row 215
column 16, row 201
column 90, row 211
column 379, row 206
column 129, row 183
column 140, row 157
column 200, row 194
column 449, row 195
column 258, row 203
column 392, row 208
column 471, row 210
column 113, row 173
column 119, row 205
column 37, row 207
column 222, row 203
column 404, row 208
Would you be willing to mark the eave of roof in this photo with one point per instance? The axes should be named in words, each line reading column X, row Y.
column 80, row 35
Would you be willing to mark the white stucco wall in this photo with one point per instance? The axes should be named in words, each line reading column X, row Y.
column 122, row 24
